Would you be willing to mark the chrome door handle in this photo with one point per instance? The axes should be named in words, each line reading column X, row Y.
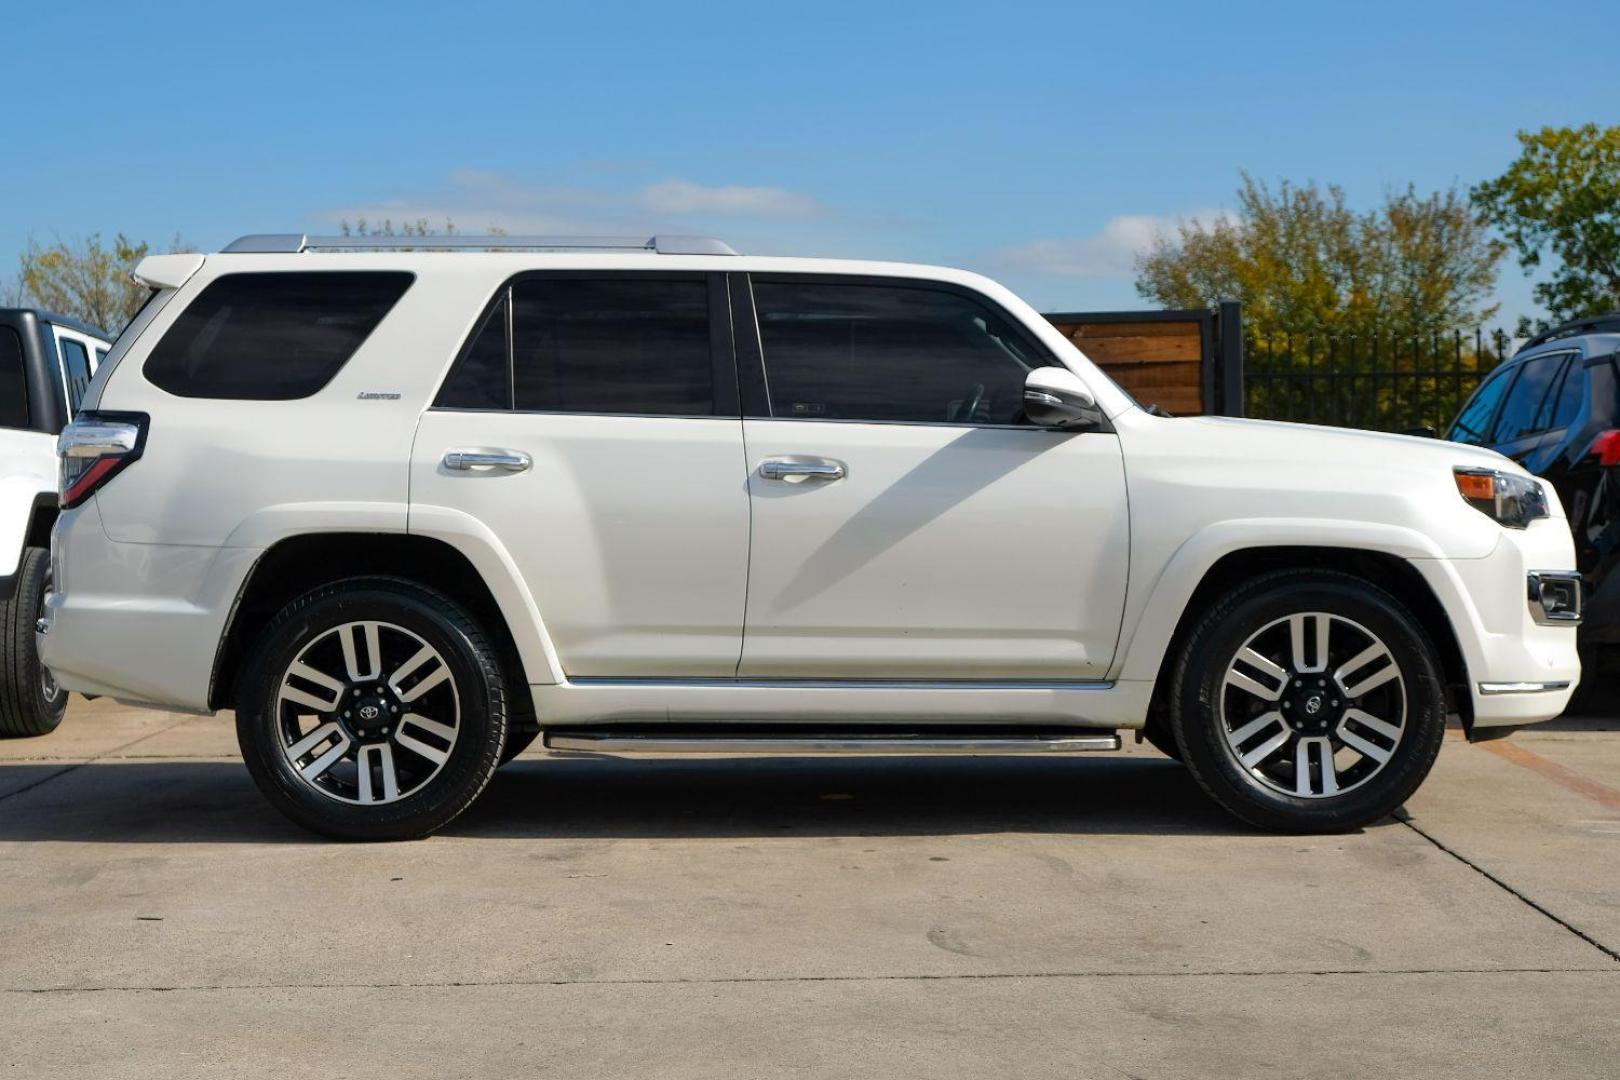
column 787, row 468
column 512, row 461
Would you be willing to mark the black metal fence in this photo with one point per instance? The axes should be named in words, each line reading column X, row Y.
column 1377, row 382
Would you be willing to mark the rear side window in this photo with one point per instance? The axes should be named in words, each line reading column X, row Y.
column 882, row 353
column 1570, row 394
column 622, row 345
column 13, row 381
column 272, row 337
column 76, row 371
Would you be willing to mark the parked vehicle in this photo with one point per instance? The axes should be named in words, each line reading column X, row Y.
column 1554, row 407
column 46, row 362
column 404, row 510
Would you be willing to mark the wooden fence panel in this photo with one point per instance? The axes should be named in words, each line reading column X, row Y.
column 1160, row 360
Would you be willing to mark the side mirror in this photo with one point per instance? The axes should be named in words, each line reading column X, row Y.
column 1055, row 397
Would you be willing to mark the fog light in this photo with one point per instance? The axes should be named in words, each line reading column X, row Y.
column 1555, row 596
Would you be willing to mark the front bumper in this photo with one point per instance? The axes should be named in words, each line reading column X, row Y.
column 1522, row 666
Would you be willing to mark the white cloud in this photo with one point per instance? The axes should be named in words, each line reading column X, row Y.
column 476, row 200
column 1109, row 253
column 685, row 197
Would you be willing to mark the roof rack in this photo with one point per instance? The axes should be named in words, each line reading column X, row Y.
column 1595, row 324
column 291, row 243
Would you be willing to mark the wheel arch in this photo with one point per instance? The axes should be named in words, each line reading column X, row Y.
column 295, row 565
column 35, row 532
column 1392, row 573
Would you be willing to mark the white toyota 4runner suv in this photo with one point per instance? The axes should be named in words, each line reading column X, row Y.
column 406, row 510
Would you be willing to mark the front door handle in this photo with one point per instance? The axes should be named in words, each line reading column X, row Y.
column 512, row 461
column 799, row 469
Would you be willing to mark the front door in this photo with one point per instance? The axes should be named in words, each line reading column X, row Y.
column 908, row 523
column 591, row 424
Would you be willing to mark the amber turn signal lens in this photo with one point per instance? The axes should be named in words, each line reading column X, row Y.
column 1481, row 486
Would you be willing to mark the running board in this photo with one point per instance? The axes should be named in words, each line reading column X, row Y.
column 779, row 744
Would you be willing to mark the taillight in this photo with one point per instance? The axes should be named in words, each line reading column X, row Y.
column 1606, row 448
column 94, row 448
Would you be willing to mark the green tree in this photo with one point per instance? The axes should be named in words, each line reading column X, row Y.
column 89, row 281
column 1302, row 262
column 419, row 227
column 1561, row 196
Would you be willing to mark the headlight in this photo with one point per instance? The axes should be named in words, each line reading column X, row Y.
column 1515, row 501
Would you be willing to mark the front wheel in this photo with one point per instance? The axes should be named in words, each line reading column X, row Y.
column 372, row 709
column 1308, row 702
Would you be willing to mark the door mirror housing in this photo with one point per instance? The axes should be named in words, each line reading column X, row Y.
column 1055, row 397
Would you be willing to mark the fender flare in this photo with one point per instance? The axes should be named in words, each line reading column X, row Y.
column 16, row 540
column 469, row 536
column 1151, row 617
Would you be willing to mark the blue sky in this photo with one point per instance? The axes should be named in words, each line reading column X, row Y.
column 1039, row 143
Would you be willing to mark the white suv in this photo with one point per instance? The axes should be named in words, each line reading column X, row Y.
column 405, row 510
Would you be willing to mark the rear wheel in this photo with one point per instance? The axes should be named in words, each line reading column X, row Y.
column 372, row 709
column 31, row 701
column 1308, row 702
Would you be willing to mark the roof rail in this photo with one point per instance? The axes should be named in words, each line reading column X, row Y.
column 290, row 243
column 1595, row 324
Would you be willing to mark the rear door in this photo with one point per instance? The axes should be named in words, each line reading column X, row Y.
column 908, row 522
column 591, row 423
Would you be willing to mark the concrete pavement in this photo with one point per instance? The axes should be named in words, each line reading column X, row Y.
column 813, row 917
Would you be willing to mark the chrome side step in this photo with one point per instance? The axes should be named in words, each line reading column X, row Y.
column 780, row 744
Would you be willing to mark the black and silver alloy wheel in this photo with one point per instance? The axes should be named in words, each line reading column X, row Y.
column 1308, row 701
column 372, row 709
column 1313, row 705
column 368, row 713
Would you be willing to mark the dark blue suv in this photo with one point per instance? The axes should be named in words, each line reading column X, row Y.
column 1554, row 407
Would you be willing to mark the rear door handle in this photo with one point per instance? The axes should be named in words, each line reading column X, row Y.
column 512, row 461
column 802, row 468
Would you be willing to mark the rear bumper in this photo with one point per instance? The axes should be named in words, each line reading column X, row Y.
column 1521, row 669
column 138, row 622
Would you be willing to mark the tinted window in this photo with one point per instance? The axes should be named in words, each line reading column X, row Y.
column 13, row 381
column 612, row 345
column 890, row 353
column 482, row 378
column 1475, row 418
column 75, row 370
column 1520, row 412
column 272, row 337
column 1570, row 394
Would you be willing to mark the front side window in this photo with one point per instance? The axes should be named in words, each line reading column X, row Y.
column 1473, row 423
column 1522, row 413
column 75, row 371
column 13, row 380
column 623, row 344
column 890, row 354
column 272, row 336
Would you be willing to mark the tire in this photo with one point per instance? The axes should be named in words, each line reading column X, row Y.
column 31, row 701
column 1251, row 676
column 372, row 709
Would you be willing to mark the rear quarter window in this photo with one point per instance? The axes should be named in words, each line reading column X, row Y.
column 272, row 336
column 13, row 381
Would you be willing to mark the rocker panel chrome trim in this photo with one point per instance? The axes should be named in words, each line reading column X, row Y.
column 777, row 744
